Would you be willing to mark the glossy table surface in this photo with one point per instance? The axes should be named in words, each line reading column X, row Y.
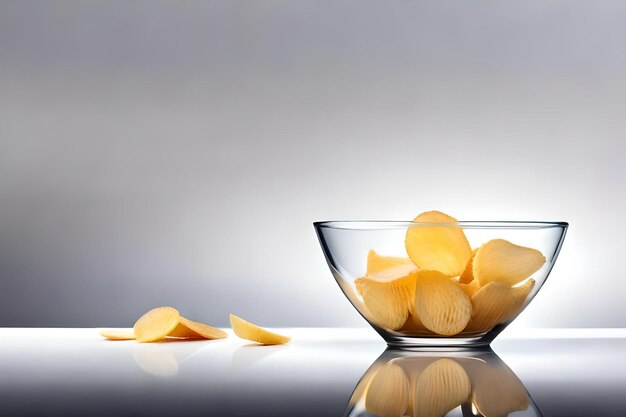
column 322, row 372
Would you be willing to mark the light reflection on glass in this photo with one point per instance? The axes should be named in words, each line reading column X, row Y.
column 436, row 384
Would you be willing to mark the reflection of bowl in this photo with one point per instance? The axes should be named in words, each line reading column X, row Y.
column 401, row 304
column 402, row 383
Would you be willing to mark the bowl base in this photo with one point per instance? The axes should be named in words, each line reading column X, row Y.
column 440, row 343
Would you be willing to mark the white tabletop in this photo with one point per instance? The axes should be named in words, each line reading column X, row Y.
column 75, row 371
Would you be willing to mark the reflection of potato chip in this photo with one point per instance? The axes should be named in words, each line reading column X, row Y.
column 442, row 306
column 388, row 295
column 496, row 390
column 156, row 362
column 118, row 334
column 496, row 303
column 193, row 329
column 468, row 273
column 441, row 387
column 501, row 260
column 254, row 333
column 388, row 392
column 440, row 248
column 377, row 263
column 156, row 324
column 413, row 367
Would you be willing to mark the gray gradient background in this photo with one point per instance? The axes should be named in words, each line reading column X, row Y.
column 177, row 152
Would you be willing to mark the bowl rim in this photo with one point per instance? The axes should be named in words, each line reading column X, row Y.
column 465, row 224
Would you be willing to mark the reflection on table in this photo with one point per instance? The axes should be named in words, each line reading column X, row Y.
column 434, row 384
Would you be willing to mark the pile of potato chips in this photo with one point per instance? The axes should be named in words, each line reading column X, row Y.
column 444, row 287
column 163, row 323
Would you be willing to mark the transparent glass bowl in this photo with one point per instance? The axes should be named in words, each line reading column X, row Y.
column 346, row 245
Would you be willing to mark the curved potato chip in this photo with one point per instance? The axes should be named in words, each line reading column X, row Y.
column 377, row 263
column 496, row 390
column 468, row 273
column 496, row 303
column 413, row 325
column 388, row 295
column 503, row 261
column 440, row 304
column 439, row 248
column 388, row 392
column 193, row 329
column 156, row 324
column 388, row 275
column 254, row 333
column 520, row 295
column 118, row 334
column 471, row 288
column 441, row 387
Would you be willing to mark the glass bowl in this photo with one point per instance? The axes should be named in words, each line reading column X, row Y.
column 430, row 305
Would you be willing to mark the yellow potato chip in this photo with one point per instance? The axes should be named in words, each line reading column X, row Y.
column 496, row 390
column 441, row 305
column 118, row 334
column 388, row 392
column 388, row 275
column 352, row 294
column 192, row 329
column 497, row 303
column 471, row 288
column 520, row 295
column 468, row 273
column 254, row 333
column 439, row 248
column 377, row 263
column 156, row 324
column 441, row 387
column 388, row 295
column 386, row 302
column 413, row 325
column 501, row 260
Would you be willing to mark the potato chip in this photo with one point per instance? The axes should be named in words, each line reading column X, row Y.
column 388, row 275
column 496, row 390
column 439, row 248
column 471, row 288
column 442, row 306
column 118, row 334
column 441, row 387
column 388, row 295
column 377, row 263
column 192, row 329
column 496, row 303
column 388, row 392
column 254, row 333
column 386, row 302
column 520, row 296
column 156, row 324
column 413, row 325
column 501, row 260
column 352, row 294
column 468, row 273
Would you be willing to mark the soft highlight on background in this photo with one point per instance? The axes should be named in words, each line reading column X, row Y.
column 177, row 152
